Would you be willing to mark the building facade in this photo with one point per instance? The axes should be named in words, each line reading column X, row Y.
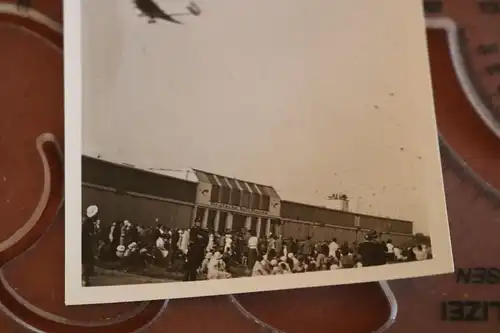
column 228, row 203
column 123, row 192
column 301, row 220
column 220, row 203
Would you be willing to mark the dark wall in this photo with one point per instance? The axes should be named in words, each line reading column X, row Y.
column 124, row 178
column 127, row 179
column 297, row 211
column 319, row 233
column 385, row 225
column 398, row 239
column 138, row 210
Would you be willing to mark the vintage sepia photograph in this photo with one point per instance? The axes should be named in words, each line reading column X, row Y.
column 229, row 146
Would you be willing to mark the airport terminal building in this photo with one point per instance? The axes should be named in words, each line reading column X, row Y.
column 176, row 198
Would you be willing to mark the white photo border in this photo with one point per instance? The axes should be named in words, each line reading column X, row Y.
column 76, row 294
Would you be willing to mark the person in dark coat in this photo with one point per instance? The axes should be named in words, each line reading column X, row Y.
column 88, row 235
column 372, row 251
column 155, row 234
column 307, row 246
column 292, row 246
column 278, row 246
column 173, row 247
column 114, row 235
column 198, row 241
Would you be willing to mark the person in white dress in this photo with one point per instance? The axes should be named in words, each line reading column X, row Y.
column 390, row 251
column 253, row 251
column 260, row 267
column 210, row 244
column 332, row 248
column 216, row 268
column 228, row 243
column 160, row 245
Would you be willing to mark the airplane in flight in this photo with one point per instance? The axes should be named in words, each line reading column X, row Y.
column 154, row 12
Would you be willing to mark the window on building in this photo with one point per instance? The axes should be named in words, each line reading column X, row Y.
column 264, row 203
column 236, row 197
column 235, row 192
column 215, row 194
column 245, row 196
column 225, row 195
column 255, row 201
column 227, row 190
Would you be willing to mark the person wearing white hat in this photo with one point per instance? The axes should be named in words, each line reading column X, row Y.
column 88, row 234
column 228, row 241
column 216, row 268
column 195, row 241
column 92, row 211
column 120, row 251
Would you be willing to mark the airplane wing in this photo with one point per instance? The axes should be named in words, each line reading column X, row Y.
column 148, row 7
column 169, row 18
column 152, row 10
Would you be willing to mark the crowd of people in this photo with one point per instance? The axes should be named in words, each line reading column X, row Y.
column 198, row 253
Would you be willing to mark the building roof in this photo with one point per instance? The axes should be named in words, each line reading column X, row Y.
column 219, row 180
column 344, row 212
column 184, row 174
column 196, row 176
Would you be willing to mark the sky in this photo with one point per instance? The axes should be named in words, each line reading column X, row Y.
column 309, row 96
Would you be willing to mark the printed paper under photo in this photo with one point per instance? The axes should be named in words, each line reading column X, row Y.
column 230, row 146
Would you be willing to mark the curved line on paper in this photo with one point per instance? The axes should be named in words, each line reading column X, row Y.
column 153, row 320
column 250, row 316
column 61, row 320
column 389, row 295
column 492, row 193
column 35, row 16
column 393, row 306
column 44, row 197
column 457, row 58
column 11, row 9
column 32, row 221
